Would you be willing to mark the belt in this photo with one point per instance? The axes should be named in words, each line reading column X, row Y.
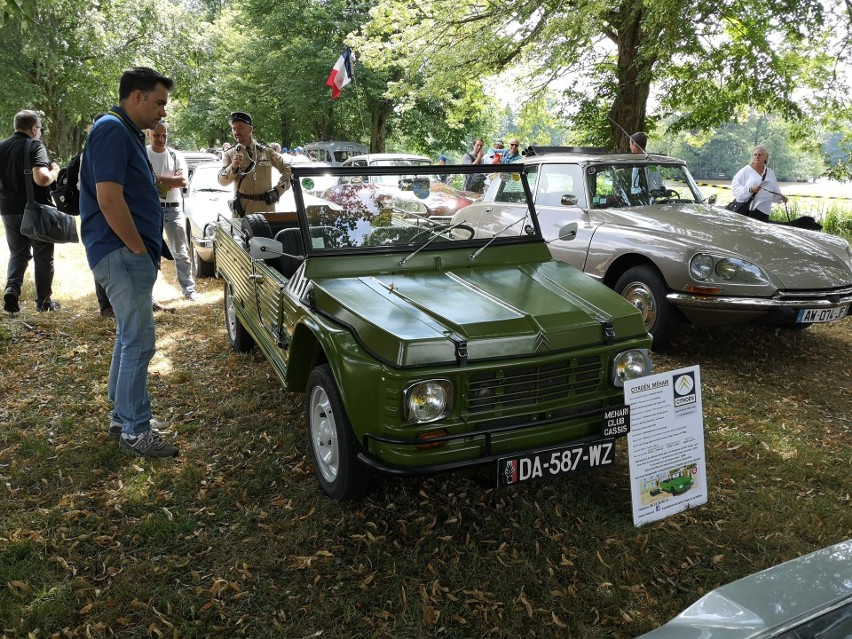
column 170, row 205
column 260, row 197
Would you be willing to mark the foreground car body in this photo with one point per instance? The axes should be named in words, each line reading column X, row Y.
column 421, row 350
column 643, row 229
column 808, row 597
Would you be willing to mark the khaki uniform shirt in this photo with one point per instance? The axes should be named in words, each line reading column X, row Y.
column 258, row 180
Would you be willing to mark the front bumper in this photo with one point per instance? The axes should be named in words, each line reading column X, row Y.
column 486, row 441
column 783, row 305
column 204, row 247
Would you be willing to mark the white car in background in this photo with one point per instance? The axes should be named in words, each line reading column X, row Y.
column 205, row 200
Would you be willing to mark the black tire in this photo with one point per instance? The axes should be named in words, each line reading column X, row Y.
column 331, row 442
column 256, row 225
column 200, row 268
column 239, row 338
column 643, row 286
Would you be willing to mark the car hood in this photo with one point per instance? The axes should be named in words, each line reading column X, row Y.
column 474, row 314
column 202, row 198
column 794, row 257
column 763, row 604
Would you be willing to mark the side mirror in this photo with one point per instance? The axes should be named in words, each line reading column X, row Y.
column 567, row 232
column 711, row 200
column 263, row 248
column 569, row 199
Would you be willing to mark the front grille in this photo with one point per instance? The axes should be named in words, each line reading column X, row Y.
column 805, row 295
column 526, row 386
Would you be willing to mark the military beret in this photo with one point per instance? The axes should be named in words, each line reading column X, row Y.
column 239, row 116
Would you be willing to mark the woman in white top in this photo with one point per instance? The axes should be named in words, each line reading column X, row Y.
column 760, row 180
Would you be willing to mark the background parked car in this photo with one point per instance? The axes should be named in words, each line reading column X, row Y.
column 334, row 152
column 441, row 199
column 641, row 226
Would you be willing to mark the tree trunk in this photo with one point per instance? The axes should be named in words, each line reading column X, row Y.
column 379, row 117
column 633, row 75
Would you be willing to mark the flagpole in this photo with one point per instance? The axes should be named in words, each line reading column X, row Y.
column 343, row 74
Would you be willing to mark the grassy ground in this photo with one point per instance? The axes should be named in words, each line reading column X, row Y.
column 234, row 537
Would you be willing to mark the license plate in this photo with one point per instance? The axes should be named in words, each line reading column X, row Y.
column 815, row 315
column 555, row 461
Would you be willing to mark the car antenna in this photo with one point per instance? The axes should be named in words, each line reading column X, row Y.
column 629, row 137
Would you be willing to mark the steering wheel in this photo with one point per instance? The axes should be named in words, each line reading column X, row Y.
column 465, row 227
column 440, row 228
column 667, row 196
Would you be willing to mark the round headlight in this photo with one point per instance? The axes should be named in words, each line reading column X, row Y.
column 727, row 269
column 428, row 401
column 701, row 266
column 630, row 365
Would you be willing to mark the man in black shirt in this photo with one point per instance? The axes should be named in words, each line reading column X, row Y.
column 13, row 199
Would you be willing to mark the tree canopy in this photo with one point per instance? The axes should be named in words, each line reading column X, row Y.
column 425, row 71
column 706, row 60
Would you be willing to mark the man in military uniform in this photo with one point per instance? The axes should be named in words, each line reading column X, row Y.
column 248, row 166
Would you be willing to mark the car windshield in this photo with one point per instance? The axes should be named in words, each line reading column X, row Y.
column 205, row 179
column 639, row 184
column 389, row 180
column 403, row 211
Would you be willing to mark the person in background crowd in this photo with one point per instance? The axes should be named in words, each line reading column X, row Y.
column 248, row 166
column 638, row 142
column 122, row 223
column 474, row 182
column 171, row 171
column 13, row 200
column 275, row 147
column 653, row 178
column 514, row 153
column 299, row 156
column 758, row 179
column 442, row 161
column 495, row 154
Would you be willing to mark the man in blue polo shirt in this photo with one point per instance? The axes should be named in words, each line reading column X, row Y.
column 122, row 230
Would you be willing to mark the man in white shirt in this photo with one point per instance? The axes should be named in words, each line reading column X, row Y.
column 170, row 169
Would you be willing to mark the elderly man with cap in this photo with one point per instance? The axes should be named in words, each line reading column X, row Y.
column 248, row 166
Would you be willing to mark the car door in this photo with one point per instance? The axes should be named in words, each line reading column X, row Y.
column 560, row 200
column 503, row 206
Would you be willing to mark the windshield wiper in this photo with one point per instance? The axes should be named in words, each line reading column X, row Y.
column 436, row 233
column 212, row 191
column 474, row 255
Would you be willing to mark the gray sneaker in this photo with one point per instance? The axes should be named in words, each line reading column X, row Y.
column 115, row 428
column 149, row 444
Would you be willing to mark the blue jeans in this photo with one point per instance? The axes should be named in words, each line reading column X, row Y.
column 129, row 282
column 174, row 228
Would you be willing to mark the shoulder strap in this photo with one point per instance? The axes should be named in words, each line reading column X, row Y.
column 133, row 135
column 28, row 170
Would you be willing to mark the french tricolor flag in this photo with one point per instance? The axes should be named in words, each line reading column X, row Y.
column 341, row 74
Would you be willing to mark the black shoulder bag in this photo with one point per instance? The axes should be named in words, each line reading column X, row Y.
column 41, row 221
column 743, row 208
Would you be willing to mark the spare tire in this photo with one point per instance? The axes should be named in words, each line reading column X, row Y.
column 256, row 225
